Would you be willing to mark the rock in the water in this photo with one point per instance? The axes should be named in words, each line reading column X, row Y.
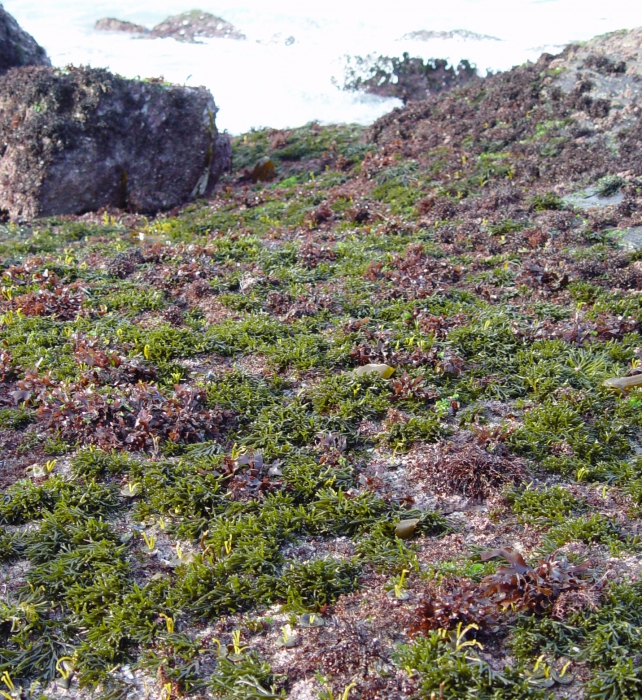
column 410, row 79
column 110, row 24
column 194, row 25
column 77, row 140
column 17, row 48
column 425, row 35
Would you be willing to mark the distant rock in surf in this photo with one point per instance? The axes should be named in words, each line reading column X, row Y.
column 77, row 140
column 110, row 24
column 17, row 48
column 425, row 35
column 410, row 79
column 277, row 39
column 192, row 26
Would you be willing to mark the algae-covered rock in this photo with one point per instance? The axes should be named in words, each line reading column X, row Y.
column 194, row 25
column 410, row 79
column 81, row 139
column 602, row 81
column 17, row 48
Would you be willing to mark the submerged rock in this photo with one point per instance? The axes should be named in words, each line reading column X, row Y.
column 81, row 139
column 277, row 39
column 17, row 48
column 110, row 24
column 194, row 25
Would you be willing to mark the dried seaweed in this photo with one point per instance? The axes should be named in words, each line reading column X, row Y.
column 476, row 470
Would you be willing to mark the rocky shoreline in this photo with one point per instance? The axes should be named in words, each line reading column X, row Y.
column 361, row 421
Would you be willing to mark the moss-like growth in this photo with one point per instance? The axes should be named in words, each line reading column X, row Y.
column 189, row 452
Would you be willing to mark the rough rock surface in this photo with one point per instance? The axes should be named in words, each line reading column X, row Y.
column 194, row 25
column 410, row 79
column 82, row 139
column 590, row 94
column 17, row 48
column 604, row 76
column 110, row 24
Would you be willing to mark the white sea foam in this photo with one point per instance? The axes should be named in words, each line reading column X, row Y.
column 265, row 82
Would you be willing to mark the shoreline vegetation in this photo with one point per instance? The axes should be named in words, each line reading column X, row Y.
column 354, row 425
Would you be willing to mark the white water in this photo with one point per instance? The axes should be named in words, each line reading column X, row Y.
column 262, row 82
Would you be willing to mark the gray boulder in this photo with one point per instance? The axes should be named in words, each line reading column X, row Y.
column 78, row 140
column 17, row 48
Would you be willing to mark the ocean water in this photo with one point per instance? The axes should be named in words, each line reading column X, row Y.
column 284, row 74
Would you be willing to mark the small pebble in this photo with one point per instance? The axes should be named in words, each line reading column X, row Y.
column 405, row 529
column 310, row 620
column 384, row 371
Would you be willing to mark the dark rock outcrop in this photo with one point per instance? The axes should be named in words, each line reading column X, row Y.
column 409, row 79
column 194, row 25
column 17, row 48
column 110, row 24
column 77, row 140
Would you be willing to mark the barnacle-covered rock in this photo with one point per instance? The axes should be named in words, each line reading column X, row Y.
column 81, row 139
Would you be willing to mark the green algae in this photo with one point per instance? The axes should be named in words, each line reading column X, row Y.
column 92, row 590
